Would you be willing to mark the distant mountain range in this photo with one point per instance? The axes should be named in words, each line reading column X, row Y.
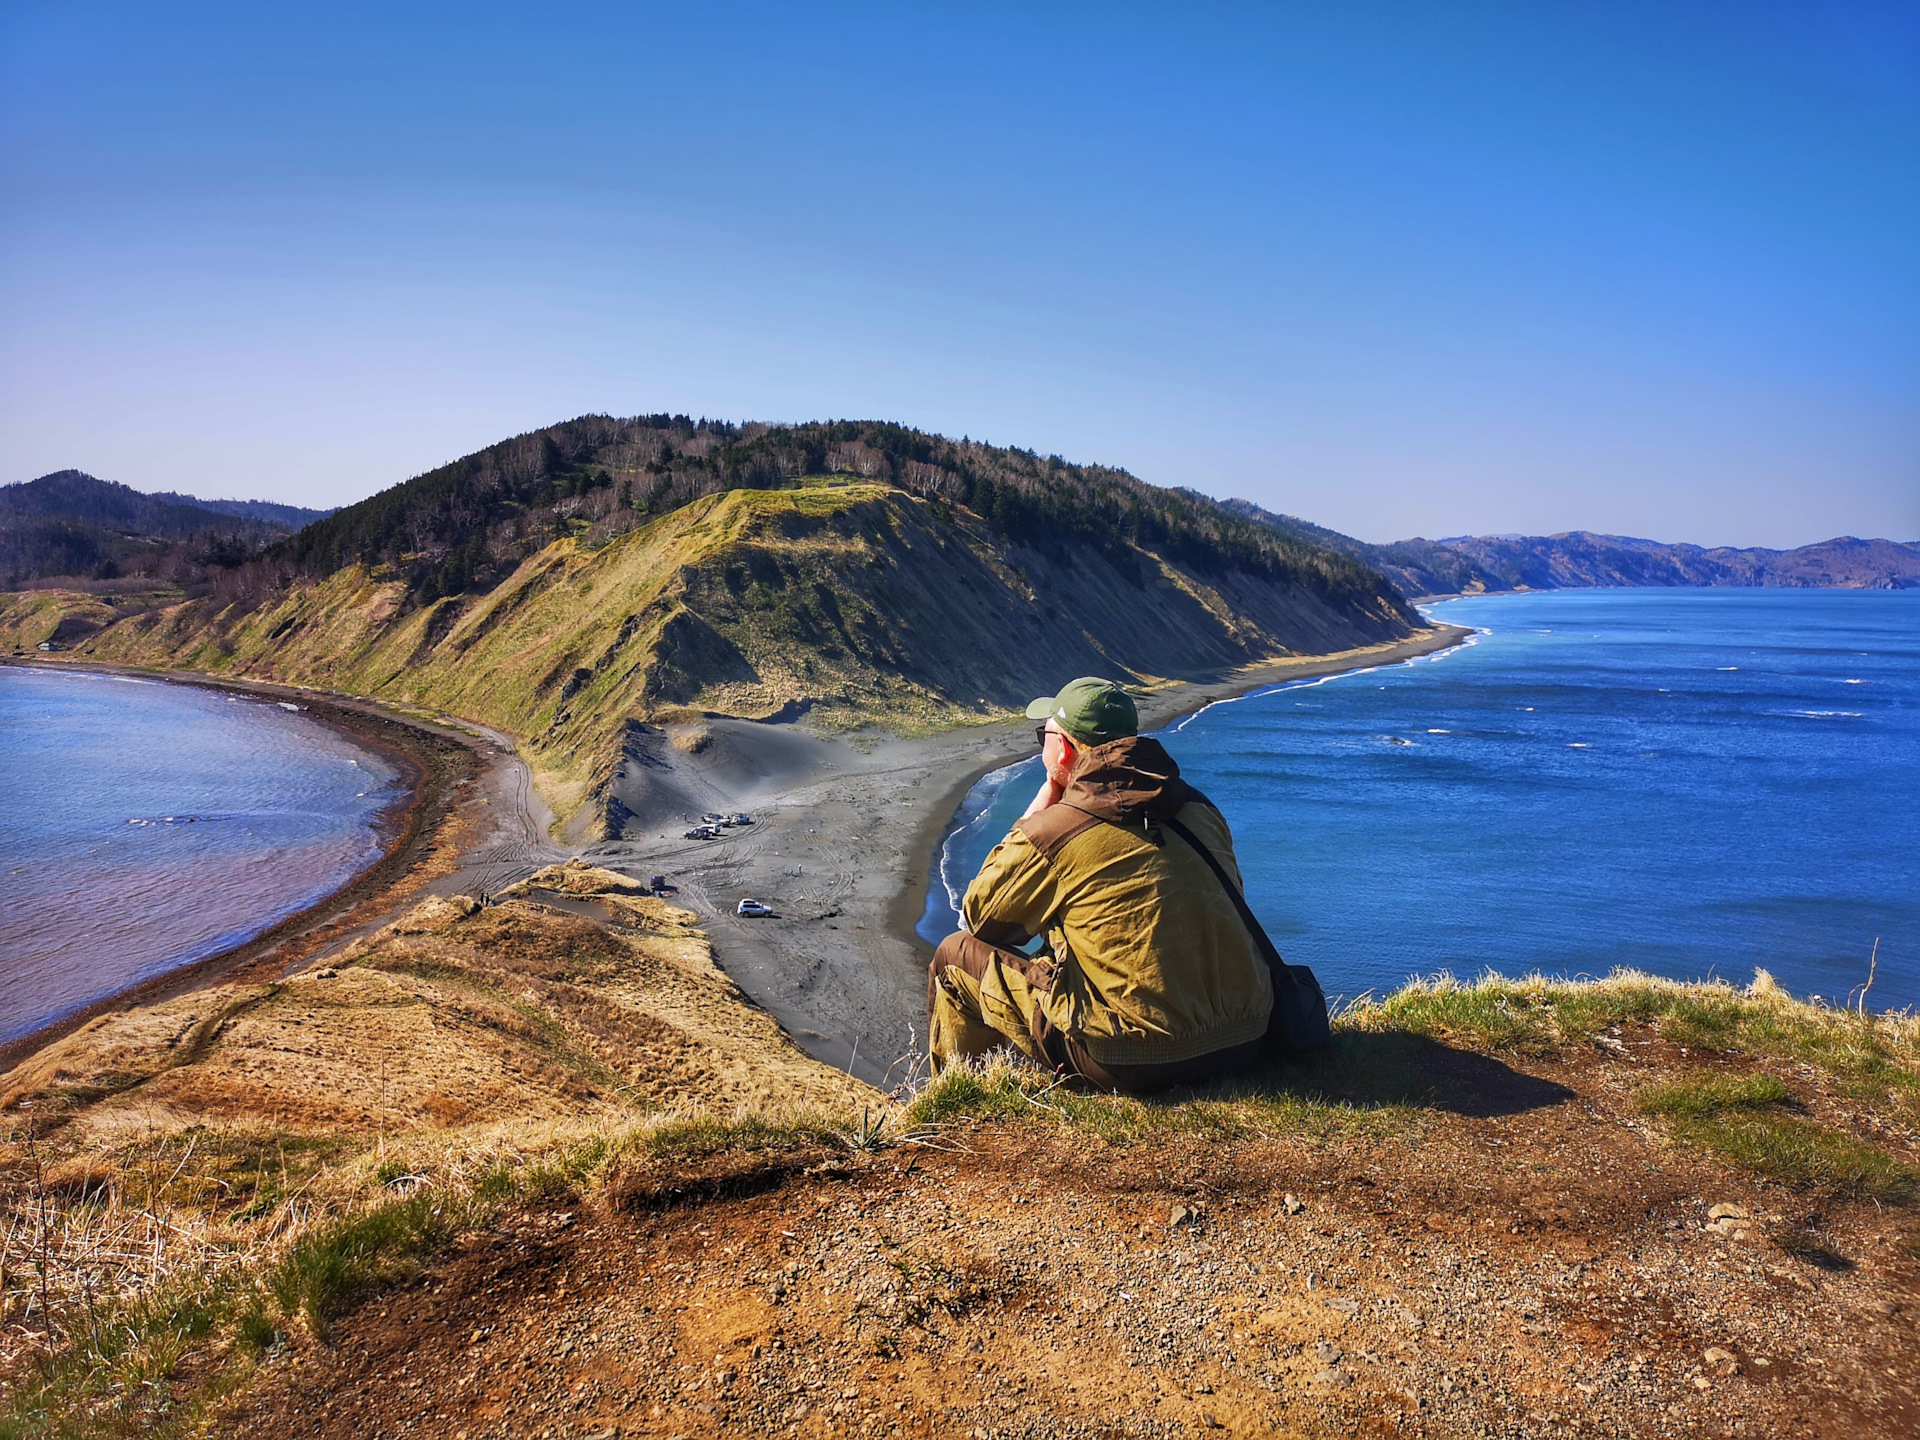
column 71, row 524
column 1580, row 559
column 269, row 512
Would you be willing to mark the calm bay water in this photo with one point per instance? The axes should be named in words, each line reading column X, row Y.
column 1691, row 782
column 144, row 826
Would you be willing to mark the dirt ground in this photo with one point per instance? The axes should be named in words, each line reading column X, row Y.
column 1521, row 1257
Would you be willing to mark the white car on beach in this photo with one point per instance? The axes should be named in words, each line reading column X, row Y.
column 753, row 908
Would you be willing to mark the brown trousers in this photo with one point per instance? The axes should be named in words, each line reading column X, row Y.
column 981, row 998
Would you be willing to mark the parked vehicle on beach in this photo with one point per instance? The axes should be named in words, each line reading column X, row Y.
column 754, row 908
column 659, row 886
column 702, row 832
column 739, row 819
column 713, row 819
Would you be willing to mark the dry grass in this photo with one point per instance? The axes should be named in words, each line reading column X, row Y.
column 144, row 1275
column 137, row 1305
column 146, row 1253
column 129, row 1318
column 1535, row 1016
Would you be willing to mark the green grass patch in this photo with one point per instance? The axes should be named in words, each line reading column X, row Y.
column 1754, row 1122
column 700, row 1137
column 1001, row 1088
column 337, row 1261
column 1700, row 1098
column 1874, row 1054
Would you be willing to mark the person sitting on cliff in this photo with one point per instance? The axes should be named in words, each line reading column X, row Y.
column 1149, row 977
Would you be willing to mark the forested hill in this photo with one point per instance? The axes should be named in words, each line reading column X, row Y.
column 267, row 512
column 71, row 524
column 465, row 526
column 1472, row 564
column 575, row 583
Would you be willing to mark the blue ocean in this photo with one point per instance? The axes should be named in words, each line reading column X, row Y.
column 144, row 826
column 1697, row 783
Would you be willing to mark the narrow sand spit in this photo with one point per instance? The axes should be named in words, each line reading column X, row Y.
column 843, row 836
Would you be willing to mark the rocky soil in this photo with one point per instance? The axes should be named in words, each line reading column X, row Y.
column 1521, row 1257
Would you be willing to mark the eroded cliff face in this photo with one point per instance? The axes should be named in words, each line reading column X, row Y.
column 853, row 602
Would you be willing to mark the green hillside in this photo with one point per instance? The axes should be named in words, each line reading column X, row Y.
column 466, row 525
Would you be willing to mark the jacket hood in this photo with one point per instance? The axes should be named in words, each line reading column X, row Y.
column 1127, row 782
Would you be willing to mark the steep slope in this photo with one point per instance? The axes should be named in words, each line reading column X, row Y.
column 856, row 601
column 463, row 527
column 1579, row 559
column 517, row 1011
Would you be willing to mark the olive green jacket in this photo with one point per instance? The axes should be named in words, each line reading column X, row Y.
column 1153, row 963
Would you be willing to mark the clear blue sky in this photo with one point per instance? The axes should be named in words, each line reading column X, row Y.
column 1422, row 268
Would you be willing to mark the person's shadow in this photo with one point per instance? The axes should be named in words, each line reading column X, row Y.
column 1371, row 1069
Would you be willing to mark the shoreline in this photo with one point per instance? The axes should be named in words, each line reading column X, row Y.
column 1178, row 702
column 844, row 830
column 433, row 763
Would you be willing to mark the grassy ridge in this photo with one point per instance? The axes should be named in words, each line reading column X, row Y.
column 466, row 524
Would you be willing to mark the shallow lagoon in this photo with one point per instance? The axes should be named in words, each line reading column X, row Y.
column 144, row 826
column 1693, row 782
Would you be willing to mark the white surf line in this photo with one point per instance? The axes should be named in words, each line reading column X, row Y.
column 1309, row 682
column 999, row 778
column 996, row 781
column 958, row 827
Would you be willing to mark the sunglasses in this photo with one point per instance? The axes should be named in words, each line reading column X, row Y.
column 1040, row 733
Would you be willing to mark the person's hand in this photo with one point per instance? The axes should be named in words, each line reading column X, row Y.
column 1057, row 755
column 1049, row 793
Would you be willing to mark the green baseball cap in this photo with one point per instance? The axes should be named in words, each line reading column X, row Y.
column 1091, row 710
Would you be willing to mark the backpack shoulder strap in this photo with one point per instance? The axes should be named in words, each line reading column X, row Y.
column 1268, row 950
